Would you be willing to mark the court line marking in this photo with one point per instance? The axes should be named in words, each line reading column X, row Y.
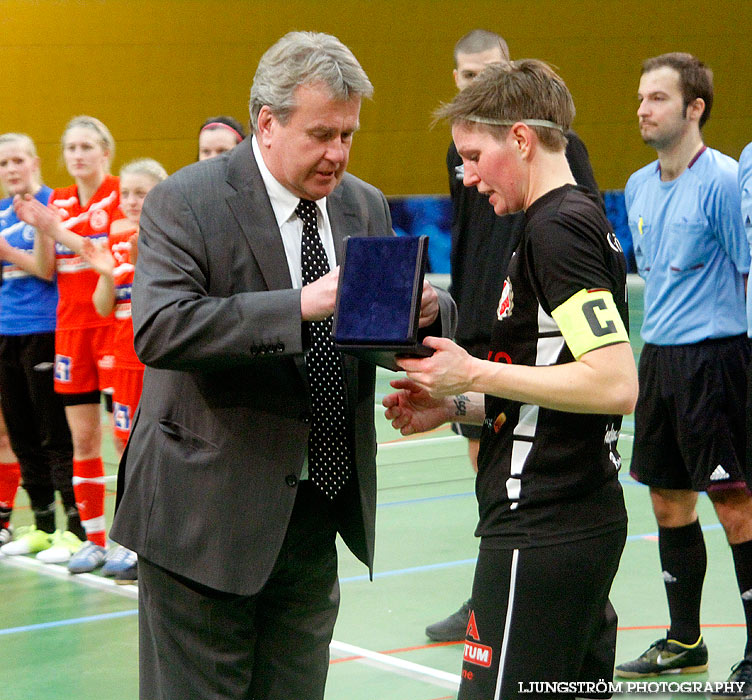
column 434, row 676
column 394, row 664
column 69, row 621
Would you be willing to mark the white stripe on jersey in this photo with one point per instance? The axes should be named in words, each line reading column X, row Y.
column 507, row 623
column 8, row 211
column 13, row 227
column 63, row 203
column 14, row 273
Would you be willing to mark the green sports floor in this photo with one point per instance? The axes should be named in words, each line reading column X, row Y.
column 75, row 637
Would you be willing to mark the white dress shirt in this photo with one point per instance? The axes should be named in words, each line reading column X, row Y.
column 290, row 226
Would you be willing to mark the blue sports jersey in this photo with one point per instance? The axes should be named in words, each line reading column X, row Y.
column 27, row 303
column 745, row 188
column 691, row 250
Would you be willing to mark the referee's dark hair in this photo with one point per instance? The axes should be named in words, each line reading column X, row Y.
column 695, row 78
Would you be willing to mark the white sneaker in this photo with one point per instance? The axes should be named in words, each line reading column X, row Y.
column 64, row 545
column 28, row 540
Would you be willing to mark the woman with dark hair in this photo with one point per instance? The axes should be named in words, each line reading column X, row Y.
column 217, row 135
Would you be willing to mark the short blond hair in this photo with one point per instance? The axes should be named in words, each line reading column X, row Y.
column 517, row 91
column 145, row 166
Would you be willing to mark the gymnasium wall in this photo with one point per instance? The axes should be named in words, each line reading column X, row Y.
column 153, row 70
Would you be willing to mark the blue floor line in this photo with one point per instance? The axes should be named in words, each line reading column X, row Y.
column 465, row 562
column 64, row 623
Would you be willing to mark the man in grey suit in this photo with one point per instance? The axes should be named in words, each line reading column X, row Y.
column 238, row 589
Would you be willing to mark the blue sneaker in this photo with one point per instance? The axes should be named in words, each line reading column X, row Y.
column 118, row 559
column 129, row 575
column 86, row 559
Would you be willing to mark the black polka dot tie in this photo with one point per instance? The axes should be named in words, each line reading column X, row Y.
column 328, row 446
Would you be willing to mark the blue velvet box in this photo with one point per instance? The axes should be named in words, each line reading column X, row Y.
column 378, row 299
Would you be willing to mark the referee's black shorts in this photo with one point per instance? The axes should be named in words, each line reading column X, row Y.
column 690, row 430
column 542, row 615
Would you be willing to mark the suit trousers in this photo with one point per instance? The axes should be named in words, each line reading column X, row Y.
column 200, row 643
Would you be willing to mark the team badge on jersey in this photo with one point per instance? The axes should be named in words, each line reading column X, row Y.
column 99, row 220
column 63, row 368
column 506, row 303
column 121, row 415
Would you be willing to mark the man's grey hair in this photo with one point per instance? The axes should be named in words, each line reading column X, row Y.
column 305, row 58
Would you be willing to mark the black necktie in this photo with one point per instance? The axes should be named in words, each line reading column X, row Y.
column 328, row 446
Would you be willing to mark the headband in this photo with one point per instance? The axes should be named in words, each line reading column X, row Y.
column 508, row 122
column 216, row 125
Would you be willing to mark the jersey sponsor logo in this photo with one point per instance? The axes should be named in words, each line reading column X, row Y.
column 63, row 368
column 472, row 627
column 719, row 474
column 499, row 356
column 613, row 242
column 123, row 311
column 121, row 415
column 477, row 654
column 99, row 220
column 459, row 172
column 72, row 264
column 506, row 303
column 668, row 577
column 499, row 422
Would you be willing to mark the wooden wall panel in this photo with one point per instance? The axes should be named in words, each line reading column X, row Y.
column 154, row 70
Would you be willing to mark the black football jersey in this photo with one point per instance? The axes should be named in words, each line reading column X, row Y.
column 547, row 476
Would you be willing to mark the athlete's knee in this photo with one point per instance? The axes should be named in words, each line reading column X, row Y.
column 673, row 508
column 734, row 510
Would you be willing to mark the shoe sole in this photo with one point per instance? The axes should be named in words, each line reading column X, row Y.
column 669, row 671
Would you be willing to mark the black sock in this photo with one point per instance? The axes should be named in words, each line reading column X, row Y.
column 743, row 564
column 683, row 560
column 5, row 514
column 74, row 524
column 44, row 518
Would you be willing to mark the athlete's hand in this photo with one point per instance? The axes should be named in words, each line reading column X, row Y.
column 413, row 410
column 318, row 298
column 99, row 257
column 133, row 252
column 449, row 371
column 6, row 249
column 44, row 219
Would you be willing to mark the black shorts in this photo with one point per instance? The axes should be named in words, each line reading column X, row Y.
column 471, row 432
column 542, row 615
column 690, row 416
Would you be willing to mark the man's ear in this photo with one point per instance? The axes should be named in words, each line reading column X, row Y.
column 695, row 109
column 522, row 136
column 265, row 124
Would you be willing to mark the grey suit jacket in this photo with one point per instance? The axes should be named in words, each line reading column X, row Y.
column 208, row 480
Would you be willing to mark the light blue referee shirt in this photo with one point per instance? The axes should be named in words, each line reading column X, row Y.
column 745, row 188
column 691, row 249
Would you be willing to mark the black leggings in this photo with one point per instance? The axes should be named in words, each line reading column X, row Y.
column 35, row 416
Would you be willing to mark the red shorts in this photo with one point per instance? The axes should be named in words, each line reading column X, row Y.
column 83, row 360
column 127, row 384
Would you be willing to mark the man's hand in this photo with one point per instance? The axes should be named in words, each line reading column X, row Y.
column 429, row 306
column 413, row 410
column 447, row 372
column 318, row 298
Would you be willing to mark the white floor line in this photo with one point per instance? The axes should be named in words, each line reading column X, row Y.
column 384, row 661
column 61, row 571
column 400, row 666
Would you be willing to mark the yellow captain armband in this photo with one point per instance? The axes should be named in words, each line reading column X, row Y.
column 590, row 320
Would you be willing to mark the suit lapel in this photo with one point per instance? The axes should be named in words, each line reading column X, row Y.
column 345, row 217
column 251, row 206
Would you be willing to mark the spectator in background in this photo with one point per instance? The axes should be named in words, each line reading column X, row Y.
column 217, row 135
column 685, row 219
column 83, row 339
column 115, row 265
column 35, row 416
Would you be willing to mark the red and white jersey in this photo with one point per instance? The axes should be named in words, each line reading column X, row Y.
column 120, row 235
column 75, row 278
